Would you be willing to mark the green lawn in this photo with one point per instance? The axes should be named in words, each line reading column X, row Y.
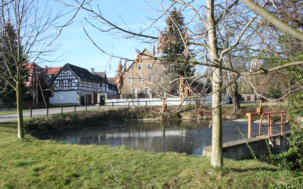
column 8, row 112
column 45, row 164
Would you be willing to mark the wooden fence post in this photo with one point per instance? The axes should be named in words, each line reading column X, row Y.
column 31, row 112
column 249, row 116
column 260, row 125
column 86, row 103
column 269, row 124
column 282, row 123
column 46, row 110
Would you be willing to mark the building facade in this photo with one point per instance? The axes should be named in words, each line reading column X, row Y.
column 142, row 77
column 38, row 86
column 74, row 85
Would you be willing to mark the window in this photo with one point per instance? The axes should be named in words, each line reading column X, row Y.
column 139, row 79
column 139, row 66
column 149, row 66
column 134, row 91
column 129, row 80
column 150, row 79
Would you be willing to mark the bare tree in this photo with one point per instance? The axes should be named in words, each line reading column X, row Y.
column 34, row 29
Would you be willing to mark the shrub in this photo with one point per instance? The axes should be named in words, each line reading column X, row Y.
column 293, row 158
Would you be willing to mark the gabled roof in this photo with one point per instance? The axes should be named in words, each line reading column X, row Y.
column 101, row 74
column 145, row 52
column 83, row 73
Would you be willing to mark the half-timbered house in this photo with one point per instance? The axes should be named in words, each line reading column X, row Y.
column 77, row 86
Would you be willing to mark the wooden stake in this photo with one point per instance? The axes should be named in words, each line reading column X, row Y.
column 249, row 115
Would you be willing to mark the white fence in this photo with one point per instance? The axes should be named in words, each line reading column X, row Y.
column 158, row 101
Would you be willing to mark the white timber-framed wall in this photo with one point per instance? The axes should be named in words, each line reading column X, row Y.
column 74, row 85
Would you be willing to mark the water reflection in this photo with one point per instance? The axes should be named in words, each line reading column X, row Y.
column 153, row 136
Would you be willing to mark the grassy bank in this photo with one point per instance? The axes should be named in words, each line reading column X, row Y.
column 11, row 112
column 44, row 127
column 46, row 164
column 8, row 112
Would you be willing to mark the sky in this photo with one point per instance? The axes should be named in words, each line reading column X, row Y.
column 74, row 47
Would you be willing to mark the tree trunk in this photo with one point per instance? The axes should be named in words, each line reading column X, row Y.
column 19, row 109
column 235, row 97
column 216, row 154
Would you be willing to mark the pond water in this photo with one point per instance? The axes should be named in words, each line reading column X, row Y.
column 181, row 137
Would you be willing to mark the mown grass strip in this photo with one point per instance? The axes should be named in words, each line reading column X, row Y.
column 34, row 163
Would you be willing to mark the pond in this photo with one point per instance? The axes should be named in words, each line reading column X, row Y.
column 181, row 137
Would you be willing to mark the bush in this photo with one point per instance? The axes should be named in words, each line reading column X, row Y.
column 293, row 158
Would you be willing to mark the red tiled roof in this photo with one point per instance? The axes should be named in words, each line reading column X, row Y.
column 53, row 70
column 33, row 66
column 28, row 84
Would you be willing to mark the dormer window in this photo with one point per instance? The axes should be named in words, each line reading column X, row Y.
column 139, row 66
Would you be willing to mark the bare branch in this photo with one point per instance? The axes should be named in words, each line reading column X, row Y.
column 238, row 39
column 273, row 19
column 100, row 49
column 277, row 68
column 103, row 19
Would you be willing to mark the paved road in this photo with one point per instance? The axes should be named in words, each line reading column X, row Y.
column 43, row 112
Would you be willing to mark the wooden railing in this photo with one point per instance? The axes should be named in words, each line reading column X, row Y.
column 269, row 116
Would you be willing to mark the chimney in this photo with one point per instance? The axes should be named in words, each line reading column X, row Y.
column 93, row 70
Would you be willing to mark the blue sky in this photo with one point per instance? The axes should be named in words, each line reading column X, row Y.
column 74, row 47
